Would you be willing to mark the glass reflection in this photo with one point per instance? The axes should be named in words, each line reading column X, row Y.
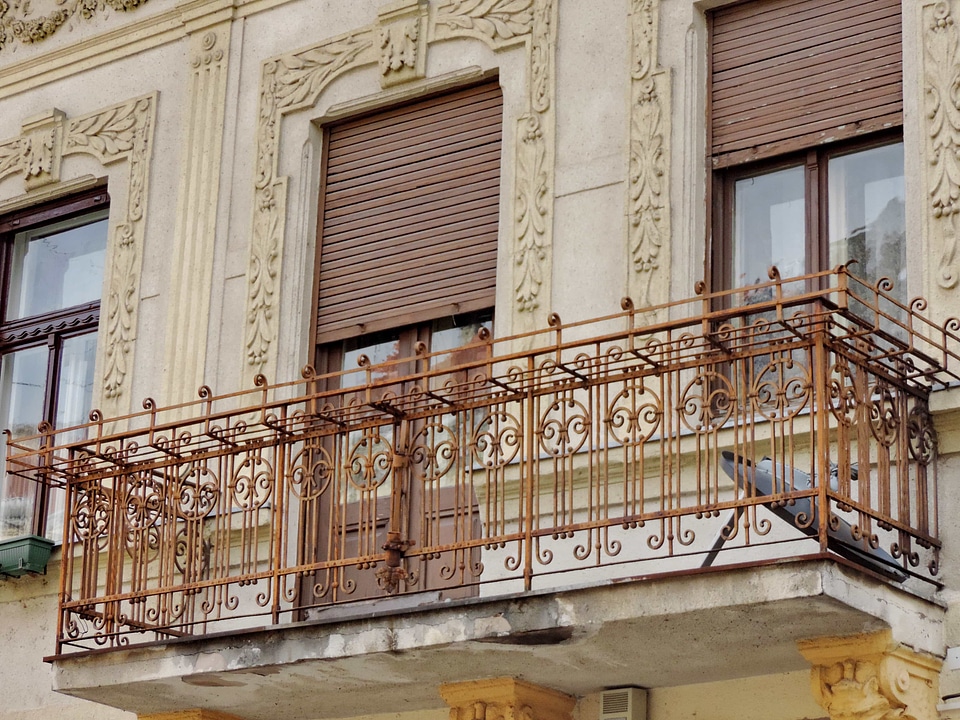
column 769, row 227
column 867, row 217
column 57, row 266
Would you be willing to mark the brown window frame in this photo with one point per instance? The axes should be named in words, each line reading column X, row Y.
column 814, row 160
column 49, row 329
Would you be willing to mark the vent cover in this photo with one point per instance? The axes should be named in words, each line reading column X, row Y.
column 623, row 704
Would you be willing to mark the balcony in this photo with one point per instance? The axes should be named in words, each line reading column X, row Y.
column 689, row 439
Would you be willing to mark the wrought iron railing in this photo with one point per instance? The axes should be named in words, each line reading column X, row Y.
column 631, row 444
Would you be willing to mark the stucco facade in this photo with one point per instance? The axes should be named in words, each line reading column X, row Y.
column 204, row 121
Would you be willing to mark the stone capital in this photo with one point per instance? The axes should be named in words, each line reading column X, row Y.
column 505, row 699
column 871, row 677
column 196, row 714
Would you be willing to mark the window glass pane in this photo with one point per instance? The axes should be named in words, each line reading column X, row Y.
column 23, row 377
column 769, row 227
column 57, row 266
column 381, row 348
column 866, row 213
column 75, row 388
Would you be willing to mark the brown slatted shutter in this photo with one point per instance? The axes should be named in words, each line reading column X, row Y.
column 789, row 74
column 410, row 214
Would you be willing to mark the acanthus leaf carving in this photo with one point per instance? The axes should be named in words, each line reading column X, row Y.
column 300, row 77
column 872, row 677
column 288, row 83
column 10, row 157
column 648, row 224
column 108, row 135
column 941, row 83
column 20, row 22
column 531, row 212
column 496, row 21
column 38, row 152
column 121, row 308
column 398, row 46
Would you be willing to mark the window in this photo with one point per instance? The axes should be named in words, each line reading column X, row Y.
column 816, row 212
column 407, row 257
column 806, row 105
column 52, row 260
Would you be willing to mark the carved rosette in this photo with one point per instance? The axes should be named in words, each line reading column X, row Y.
column 648, row 202
column 942, row 100
column 288, row 83
column 505, row 699
column 122, row 132
column 403, row 42
column 869, row 677
column 22, row 21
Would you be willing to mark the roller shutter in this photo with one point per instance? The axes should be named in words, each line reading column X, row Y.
column 789, row 74
column 409, row 213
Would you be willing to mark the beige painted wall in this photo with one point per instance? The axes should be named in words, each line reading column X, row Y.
column 116, row 56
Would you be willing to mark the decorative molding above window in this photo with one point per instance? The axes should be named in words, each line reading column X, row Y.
column 22, row 22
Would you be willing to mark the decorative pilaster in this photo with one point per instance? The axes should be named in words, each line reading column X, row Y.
column 941, row 75
column 648, row 218
column 403, row 42
column 505, row 699
column 196, row 226
column 870, row 677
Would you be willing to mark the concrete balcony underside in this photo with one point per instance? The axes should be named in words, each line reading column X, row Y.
column 659, row 632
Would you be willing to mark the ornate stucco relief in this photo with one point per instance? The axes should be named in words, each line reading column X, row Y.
column 289, row 82
column 295, row 81
column 500, row 23
column 941, row 59
column 648, row 226
column 533, row 204
column 21, row 20
column 496, row 22
column 403, row 43
column 870, row 677
column 40, row 148
column 505, row 699
column 121, row 132
column 197, row 202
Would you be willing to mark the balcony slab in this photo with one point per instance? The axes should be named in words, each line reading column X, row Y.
column 650, row 632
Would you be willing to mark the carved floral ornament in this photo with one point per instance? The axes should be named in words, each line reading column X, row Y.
column 397, row 43
column 22, row 21
column 505, row 699
column 942, row 104
column 649, row 203
column 870, row 677
column 123, row 132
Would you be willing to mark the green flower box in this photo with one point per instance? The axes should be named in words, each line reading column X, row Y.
column 26, row 554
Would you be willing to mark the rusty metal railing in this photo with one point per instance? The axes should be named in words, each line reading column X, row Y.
column 631, row 444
